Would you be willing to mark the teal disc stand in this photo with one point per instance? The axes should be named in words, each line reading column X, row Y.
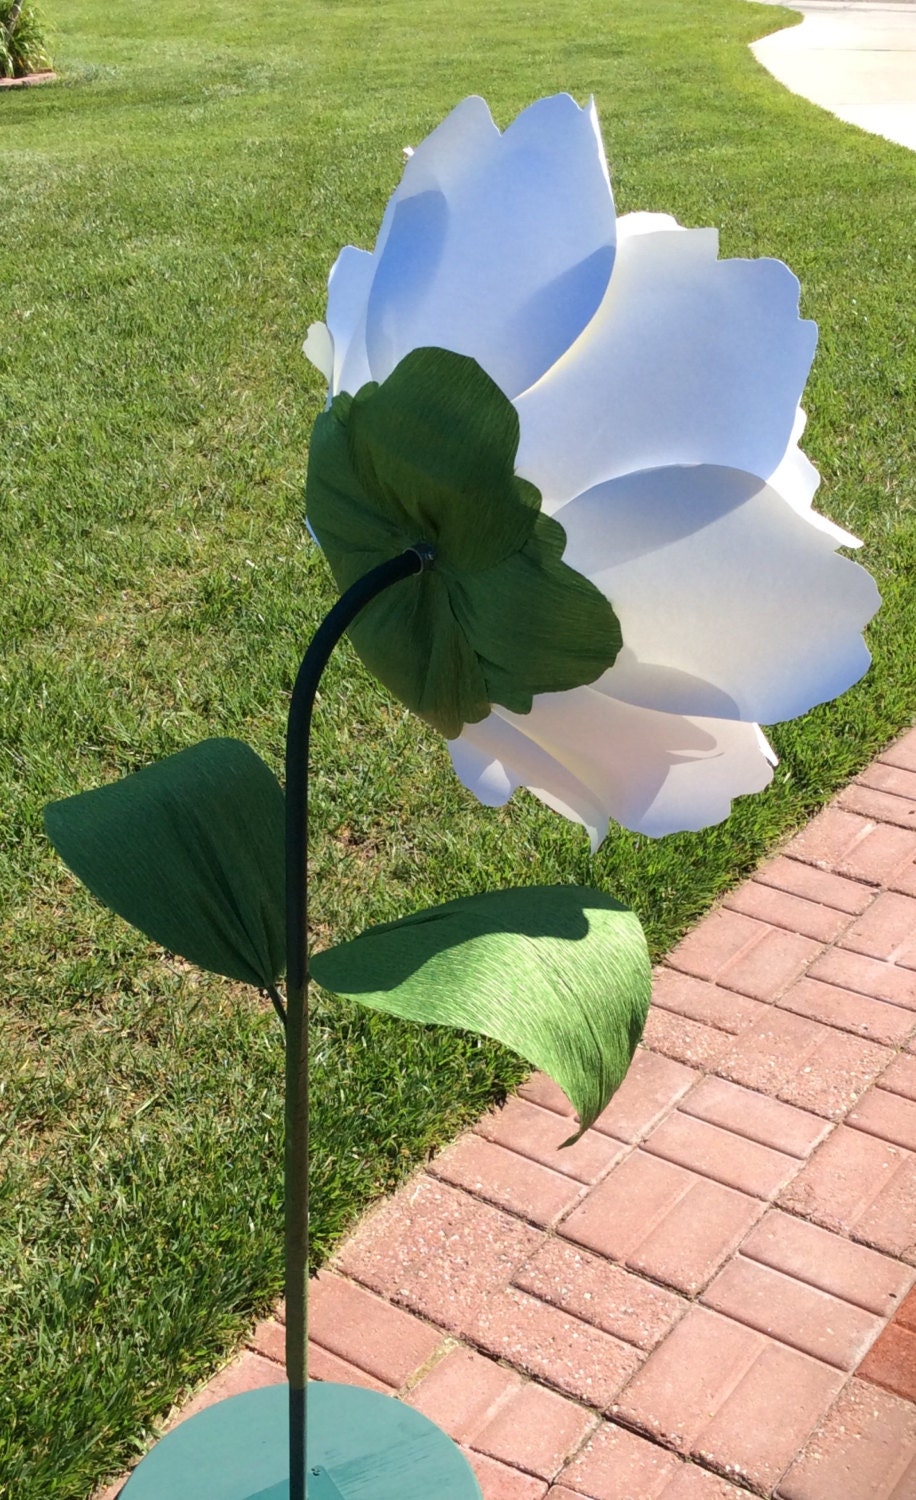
column 361, row 1446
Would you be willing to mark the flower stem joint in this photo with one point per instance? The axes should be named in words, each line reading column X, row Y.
column 426, row 552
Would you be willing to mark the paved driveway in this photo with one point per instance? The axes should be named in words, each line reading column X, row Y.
column 856, row 59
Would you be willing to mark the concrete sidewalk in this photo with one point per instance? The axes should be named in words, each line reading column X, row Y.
column 713, row 1291
column 856, row 59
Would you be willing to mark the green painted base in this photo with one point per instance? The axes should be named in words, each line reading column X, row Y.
column 361, row 1446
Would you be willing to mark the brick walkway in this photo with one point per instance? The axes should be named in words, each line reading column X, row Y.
column 712, row 1293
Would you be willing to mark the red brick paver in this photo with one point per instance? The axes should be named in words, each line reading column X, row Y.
column 507, row 1179
column 860, row 1185
column 873, row 803
column 704, row 1003
column 906, row 1314
column 891, row 1362
column 617, row 1463
column 713, row 1293
column 793, row 1312
column 464, row 1391
column 857, row 1275
column 865, row 1447
column 900, row 1077
column 722, row 1155
column 850, row 1010
column 386, row 1342
column 868, row 976
column 747, row 956
column 730, row 1397
column 805, row 1063
column 574, row 1356
column 822, row 886
column 885, row 776
column 538, row 1133
column 887, row 930
column 860, row 848
column 502, row 1481
column 886, row 1115
column 536, row 1431
column 780, row 908
column 438, row 1251
column 650, row 1090
column 663, row 1221
column 682, row 1040
column 598, row 1292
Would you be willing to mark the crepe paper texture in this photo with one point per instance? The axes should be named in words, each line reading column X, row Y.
column 657, row 393
column 429, row 455
column 191, row 851
column 559, row 973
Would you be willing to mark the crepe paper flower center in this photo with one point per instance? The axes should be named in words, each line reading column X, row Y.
column 429, row 455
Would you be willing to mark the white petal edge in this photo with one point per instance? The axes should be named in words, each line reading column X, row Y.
column 643, row 222
column 796, row 479
column 467, row 133
column 494, row 245
column 348, row 295
column 731, row 603
column 593, row 759
column 689, row 359
column 319, row 349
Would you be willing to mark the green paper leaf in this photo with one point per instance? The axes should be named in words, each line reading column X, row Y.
column 191, row 851
column 559, row 973
column 429, row 455
column 436, row 445
column 538, row 626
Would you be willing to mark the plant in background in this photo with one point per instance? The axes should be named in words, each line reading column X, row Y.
column 22, row 45
column 559, row 486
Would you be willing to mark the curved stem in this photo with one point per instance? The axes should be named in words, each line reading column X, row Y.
column 276, row 1000
column 414, row 560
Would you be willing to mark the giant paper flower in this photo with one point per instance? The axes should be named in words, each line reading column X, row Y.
column 653, row 398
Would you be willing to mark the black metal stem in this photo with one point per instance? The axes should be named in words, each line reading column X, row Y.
column 413, row 561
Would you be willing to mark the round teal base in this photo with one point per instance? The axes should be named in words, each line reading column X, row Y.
column 361, row 1446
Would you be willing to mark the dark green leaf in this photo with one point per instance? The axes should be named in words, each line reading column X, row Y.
column 560, row 973
column 436, row 442
column 537, row 625
column 429, row 455
column 191, row 851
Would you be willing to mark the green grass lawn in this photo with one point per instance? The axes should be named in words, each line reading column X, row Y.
column 170, row 212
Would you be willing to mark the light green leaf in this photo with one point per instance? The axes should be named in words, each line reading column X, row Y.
column 191, row 851
column 559, row 973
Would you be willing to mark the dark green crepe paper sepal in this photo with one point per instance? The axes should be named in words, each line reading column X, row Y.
column 559, row 973
column 429, row 455
column 191, row 851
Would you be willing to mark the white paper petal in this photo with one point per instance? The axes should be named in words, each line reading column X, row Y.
column 630, row 225
column 688, row 360
column 319, row 349
column 493, row 758
column 592, row 759
column 796, row 479
column 496, row 246
column 795, row 476
column 348, row 297
column 731, row 603
column 463, row 144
